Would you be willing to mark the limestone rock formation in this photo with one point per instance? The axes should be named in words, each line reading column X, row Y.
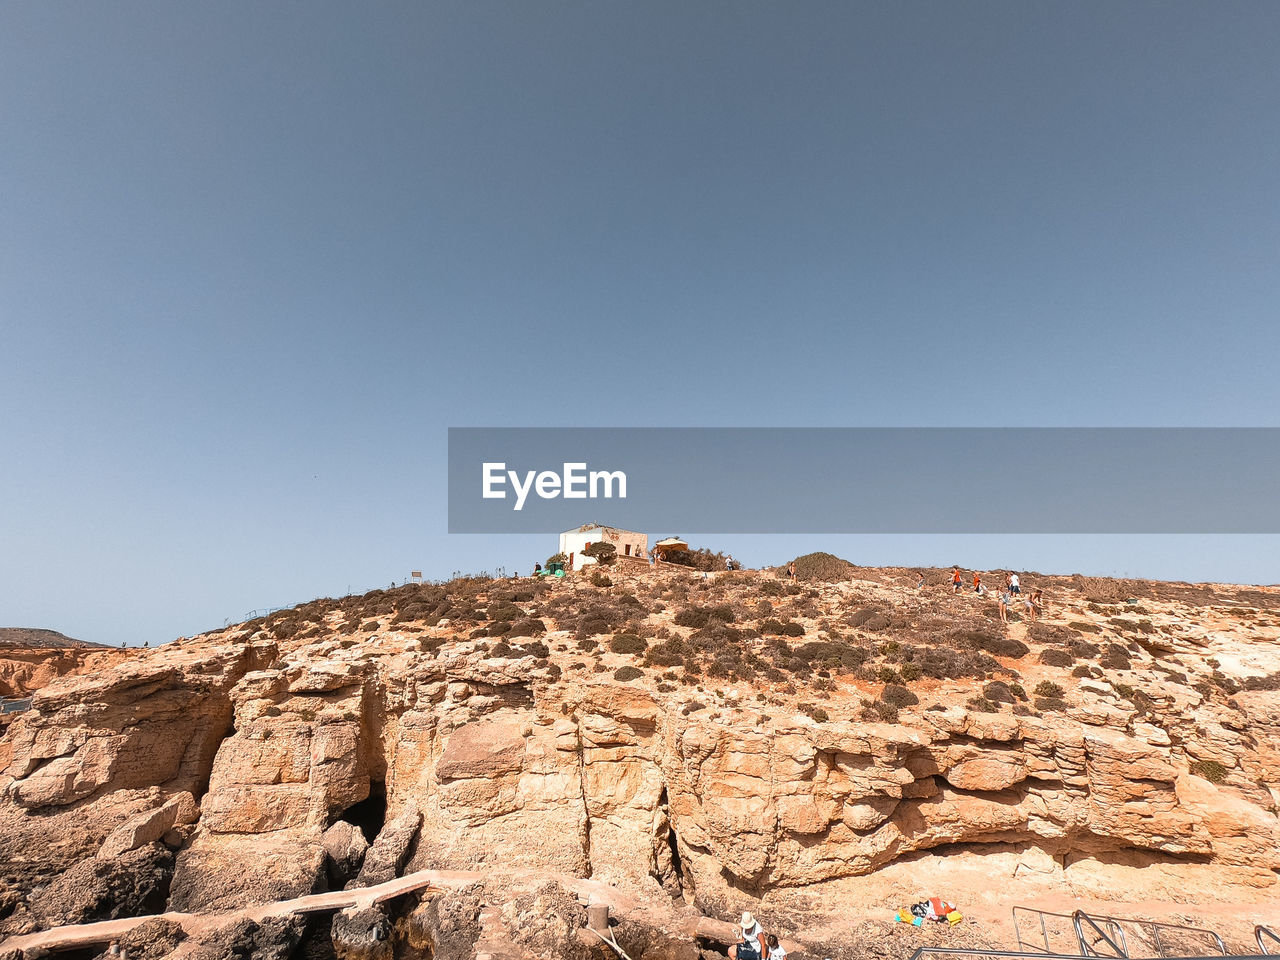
column 132, row 884
column 735, row 764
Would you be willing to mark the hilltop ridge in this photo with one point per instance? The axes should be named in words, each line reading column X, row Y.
column 701, row 744
column 39, row 637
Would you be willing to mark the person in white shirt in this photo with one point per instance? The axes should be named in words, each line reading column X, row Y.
column 775, row 951
column 1013, row 584
column 751, row 946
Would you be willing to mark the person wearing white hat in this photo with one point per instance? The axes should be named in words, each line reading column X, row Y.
column 751, row 947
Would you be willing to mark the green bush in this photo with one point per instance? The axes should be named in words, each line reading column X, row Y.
column 603, row 553
column 898, row 696
column 699, row 559
column 1211, row 770
column 1048, row 689
column 887, row 712
column 627, row 673
column 826, row 653
column 556, row 558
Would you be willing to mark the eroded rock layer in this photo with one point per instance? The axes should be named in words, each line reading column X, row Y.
column 757, row 744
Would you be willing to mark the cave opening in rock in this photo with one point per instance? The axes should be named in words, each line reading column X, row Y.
column 370, row 813
column 77, row 953
column 676, row 882
column 711, row 948
column 677, row 867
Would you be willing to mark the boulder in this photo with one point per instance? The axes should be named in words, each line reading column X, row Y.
column 150, row 825
column 362, row 933
column 345, row 847
column 390, row 849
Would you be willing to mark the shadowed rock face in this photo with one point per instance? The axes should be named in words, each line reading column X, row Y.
column 531, row 761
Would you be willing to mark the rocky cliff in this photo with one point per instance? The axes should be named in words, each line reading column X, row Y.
column 719, row 743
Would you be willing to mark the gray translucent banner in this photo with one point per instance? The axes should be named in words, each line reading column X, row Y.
column 867, row 480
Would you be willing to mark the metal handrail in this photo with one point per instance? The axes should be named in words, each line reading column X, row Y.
column 1044, row 932
column 1156, row 926
column 1117, row 943
column 1262, row 934
column 922, row 952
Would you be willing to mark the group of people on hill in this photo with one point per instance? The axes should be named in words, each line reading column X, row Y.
column 754, row 943
column 1033, row 602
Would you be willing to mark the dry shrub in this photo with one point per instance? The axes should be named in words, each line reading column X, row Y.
column 1049, row 633
column 990, row 641
column 1056, row 658
column 527, row 627
column 998, row 692
column 825, row 653
column 822, row 567
column 627, row 643
column 869, row 619
column 898, row 696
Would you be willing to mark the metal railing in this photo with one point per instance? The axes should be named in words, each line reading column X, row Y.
column 1102, row 936
column 942, row 952
column 1021, row 912
column 1154, row 927
column 1108, row 930
column 1267, row 939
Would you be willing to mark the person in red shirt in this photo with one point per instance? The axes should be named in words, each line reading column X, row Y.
column 977, row 582
column 955, row 579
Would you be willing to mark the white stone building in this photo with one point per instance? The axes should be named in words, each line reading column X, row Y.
column 628, row 543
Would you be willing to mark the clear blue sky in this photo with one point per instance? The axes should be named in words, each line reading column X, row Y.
column 256, row 258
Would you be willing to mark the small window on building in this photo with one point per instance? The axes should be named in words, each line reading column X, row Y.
column 628, row 553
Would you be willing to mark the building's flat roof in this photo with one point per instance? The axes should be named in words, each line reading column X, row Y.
column 588, row 527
